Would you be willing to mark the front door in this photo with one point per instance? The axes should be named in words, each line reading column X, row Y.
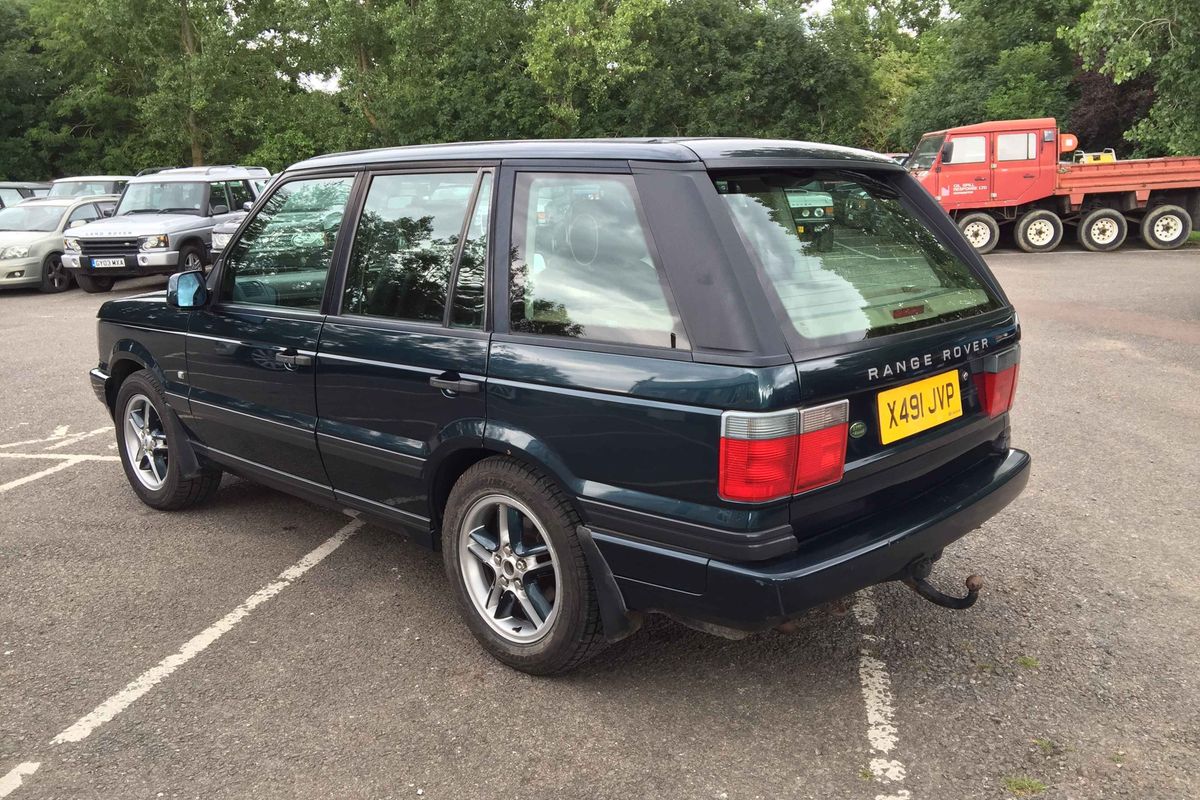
column 1018, row 173
column 400, row 376
column 252, row 353
column 964, row 177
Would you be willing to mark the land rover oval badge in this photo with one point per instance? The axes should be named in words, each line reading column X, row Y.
column 858, row 429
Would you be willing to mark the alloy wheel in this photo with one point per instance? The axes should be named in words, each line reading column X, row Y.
column 509, row 568
column 145, row 442
column 59, row 278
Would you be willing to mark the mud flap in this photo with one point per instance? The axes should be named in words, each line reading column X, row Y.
column 619, row 622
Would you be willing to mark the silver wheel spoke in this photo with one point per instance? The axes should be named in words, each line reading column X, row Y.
column 531, row 611
column 492, row 602
column 502, row 525
column 480, row 552
column 537, row 562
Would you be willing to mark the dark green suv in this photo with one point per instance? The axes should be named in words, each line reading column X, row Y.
column 605, row 378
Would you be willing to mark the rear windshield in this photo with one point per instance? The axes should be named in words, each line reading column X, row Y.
column 849, row 258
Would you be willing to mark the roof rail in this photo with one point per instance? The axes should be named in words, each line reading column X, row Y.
column 152, row 170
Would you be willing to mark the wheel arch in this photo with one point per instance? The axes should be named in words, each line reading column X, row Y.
column 128, row 356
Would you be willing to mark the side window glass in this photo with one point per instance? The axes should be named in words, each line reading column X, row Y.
column 1016, row 146
column 10, row 197
column 85, row 213
column 239, row 193
column 217, row 197
column 469, row 289
column 582, row 265
column 282, row 257
column 968, row 150
column 405, row 245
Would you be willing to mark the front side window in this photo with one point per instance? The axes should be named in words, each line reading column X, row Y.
column 582, row 263
column 405, row 246
column 1016, row 146
column 10, row 197
column 282, row 257
column 218, row 202
column 848, row 257
column 968, row 150
column 85, row 213
column 239, row 195
column 926, row 153
column 163, row 197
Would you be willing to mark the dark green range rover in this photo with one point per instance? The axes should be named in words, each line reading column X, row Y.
column 603, row 377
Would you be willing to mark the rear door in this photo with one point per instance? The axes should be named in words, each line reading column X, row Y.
column 402, row 362
column 251, row 353
column 1018, row 173
column 964, row 177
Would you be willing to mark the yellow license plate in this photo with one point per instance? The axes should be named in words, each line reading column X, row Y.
column 918, row 406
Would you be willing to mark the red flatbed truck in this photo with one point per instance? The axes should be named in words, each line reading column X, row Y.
column 1009, row 173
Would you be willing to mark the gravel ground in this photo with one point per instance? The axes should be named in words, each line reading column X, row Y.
column 1073, row 677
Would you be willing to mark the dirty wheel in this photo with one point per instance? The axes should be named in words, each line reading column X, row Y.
column 1039, row 231
column 1103, row 229
column 1166, row 227
column 981, row 231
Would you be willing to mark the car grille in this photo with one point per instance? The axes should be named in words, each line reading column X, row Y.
column 108, row 247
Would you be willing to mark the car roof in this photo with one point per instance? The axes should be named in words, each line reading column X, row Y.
column 997, row 126
column 69, row 201
column 189, row 174
column 82, row 178
column 23, row 185
column 712, row 151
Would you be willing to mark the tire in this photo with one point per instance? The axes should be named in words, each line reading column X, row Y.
column 1166, row 227
column 1038, row 231
column 191, row 256
column 141, row 417
column 1103, row 230
column 981, row 231
column 93, row 285
column 544, row 564
column 55, row 277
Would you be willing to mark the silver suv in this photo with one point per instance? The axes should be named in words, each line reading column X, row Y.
column 163, row 223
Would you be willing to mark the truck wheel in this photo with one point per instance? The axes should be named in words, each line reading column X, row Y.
column 1166, row 227
column 981, row 231
column 1039, row 231
column 517, row 568
column 55, row 277
column 93, row 285
column 1102, row 230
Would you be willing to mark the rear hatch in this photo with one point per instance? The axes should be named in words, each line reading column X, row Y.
column 905, row 347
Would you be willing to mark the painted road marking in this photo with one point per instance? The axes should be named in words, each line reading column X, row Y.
column 59, row 467
column 59, row 433
column 12, row 781
column 198, row 643
column 61, row 456
column 877, row 696
column 79, row 437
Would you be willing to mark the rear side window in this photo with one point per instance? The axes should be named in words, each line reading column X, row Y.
column 1016, row 146
column 406, row 244
column 848, row 258
column 583, row 266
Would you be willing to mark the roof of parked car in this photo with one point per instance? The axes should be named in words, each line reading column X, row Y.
column 215, row 173
column 719, row 151
column 83, row 178
column 69, row 201
column 23, row 185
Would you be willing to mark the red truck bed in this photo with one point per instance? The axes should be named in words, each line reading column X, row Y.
column 1142, row 176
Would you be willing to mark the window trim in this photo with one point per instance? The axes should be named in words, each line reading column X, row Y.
column 335, row 261
column 447, row 322
column 683, row 347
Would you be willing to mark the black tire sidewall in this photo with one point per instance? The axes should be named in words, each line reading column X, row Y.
column 92, row 284
column 1085, row 227
column 1031, row 217
column 143, row 382
column 187, row 250
column 992, row 225
column 1147, row 227
column 575, row 595
column 48, row 287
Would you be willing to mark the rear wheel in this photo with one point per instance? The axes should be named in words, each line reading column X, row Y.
column 981, row 231
column 518, row 570
column 92, row 284
column 1103, row 229
column 1166, row 227
column 55, row 277
column 1038, row 231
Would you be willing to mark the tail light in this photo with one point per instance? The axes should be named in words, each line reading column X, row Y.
column 997, row 384
column 767, row 457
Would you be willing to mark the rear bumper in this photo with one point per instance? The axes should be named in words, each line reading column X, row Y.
column 756, row 595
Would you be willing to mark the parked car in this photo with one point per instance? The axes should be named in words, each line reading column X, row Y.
column 14, row 192
column 605, row 378
column 88, row 185
column 163, row 223
column 31, row 238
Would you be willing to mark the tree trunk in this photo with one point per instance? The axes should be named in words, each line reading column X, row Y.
column 191, row 48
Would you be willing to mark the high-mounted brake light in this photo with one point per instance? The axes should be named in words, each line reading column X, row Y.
column 770, row 456
column 997, row 384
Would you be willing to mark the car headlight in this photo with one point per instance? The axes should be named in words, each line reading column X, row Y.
column 73, row 245
column 16, row 251
column 157, row 242
column 805, row 213
column 820, row 212
column 221, row 240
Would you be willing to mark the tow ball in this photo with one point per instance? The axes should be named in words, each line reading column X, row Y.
column 914, row 578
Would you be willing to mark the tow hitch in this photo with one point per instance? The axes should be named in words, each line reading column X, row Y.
column 914, row 578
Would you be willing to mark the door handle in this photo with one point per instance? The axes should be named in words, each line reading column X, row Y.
column 1031, row 175
column 292, row 359
column 450, row 382
column 981, row 179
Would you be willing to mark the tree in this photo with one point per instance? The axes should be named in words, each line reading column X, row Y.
column 24, row 87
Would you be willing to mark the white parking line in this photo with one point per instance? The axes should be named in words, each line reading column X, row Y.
column 79, row 437
column 12, row 781
column 877, row 696
column 59, row 467
column 59, row 433
column 61, row 456
column 198, row 643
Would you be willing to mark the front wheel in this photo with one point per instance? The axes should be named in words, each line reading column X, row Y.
column 518, row 570
column 92, row 284
column 191, row 257
column 1166, row 227
column 981, row 231
column 55, row 277
column 145, row 442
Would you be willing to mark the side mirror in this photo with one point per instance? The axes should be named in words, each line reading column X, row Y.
column 217, row 210
column 75, row 223
column 187, row 289
column 107, row 212
column 947, row 152
column 246, row 206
